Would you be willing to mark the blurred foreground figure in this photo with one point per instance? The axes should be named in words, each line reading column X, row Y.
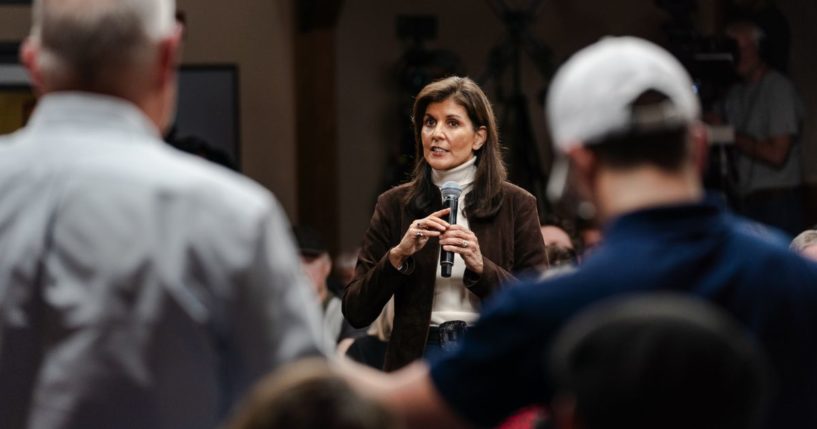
column 623, row 113
column 309, row 395
column 656, row 361
column 139, row 287
column 806, row 244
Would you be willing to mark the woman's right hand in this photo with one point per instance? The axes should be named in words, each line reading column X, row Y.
column 417, row 236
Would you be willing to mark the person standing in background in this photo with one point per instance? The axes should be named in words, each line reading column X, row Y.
column 496, row 234
column 766, row 114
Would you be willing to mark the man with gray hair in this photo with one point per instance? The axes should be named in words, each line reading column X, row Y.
column 139, row 287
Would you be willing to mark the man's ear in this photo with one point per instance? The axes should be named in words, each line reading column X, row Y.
column 699, row 146
column 169, row 57
column 29, row 51
column 482, row 135
column 584, row 163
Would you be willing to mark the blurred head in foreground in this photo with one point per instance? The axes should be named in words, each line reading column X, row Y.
column 657, row 361
column 309, row 395
column 806, row 244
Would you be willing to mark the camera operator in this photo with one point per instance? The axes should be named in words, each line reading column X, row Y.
column 765, row 113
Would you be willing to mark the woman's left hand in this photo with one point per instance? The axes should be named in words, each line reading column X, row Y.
column 461, row 240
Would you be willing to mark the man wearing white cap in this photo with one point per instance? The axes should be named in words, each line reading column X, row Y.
column 623, row 112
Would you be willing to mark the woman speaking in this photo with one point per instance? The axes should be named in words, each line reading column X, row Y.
column 496, row 231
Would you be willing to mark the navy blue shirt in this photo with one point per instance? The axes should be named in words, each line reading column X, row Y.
column 695, row 248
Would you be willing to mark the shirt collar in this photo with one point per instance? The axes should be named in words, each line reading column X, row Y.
column 72, row 108
column 667, row 220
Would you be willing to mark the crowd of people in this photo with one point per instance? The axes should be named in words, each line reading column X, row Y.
column 142, row 287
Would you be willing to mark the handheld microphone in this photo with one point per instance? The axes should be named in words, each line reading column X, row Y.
column 451, row 195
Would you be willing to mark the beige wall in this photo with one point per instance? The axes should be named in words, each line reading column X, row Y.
column 14, row 23
column 257, row 36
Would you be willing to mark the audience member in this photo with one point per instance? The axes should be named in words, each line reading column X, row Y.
column 555, row 235
column 559, row 249
column 766, row 114
column 370, row 349
column 344, row 271
column 656, row 361
column 141, row 287
column 309, row 395
column 806, row 244
column 495, row 235
column 317, row 264
column 624, row 113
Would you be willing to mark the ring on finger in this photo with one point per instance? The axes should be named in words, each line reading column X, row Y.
column 464, row 243
column 418, row 234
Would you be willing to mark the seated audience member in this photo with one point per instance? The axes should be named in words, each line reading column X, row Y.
column 140, row 287
column 344, row 270
column 555, row 235
column 370, row 349
column 806, row 244
column 624, row 114
column 309, row 395
column 560, row 260
column 560, row 254
column 318, row 265
column 660, row 361
column 343, row 273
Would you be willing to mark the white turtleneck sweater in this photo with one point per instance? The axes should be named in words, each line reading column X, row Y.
column 452, row 300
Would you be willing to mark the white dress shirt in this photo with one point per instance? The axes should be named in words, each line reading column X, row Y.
column 140, row 287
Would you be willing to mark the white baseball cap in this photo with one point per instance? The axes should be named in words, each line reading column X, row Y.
column 591, row 95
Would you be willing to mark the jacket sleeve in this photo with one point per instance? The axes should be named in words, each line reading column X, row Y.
column 529, row 251
column 376, row 279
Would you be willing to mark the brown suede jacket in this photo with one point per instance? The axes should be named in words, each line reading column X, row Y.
column 510, row 242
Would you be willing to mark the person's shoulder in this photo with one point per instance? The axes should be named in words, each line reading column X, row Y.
column 764, row 248
column 776, row 81
column 214, row 184
column 516, row 193
column 537, row 292
column 152, row 167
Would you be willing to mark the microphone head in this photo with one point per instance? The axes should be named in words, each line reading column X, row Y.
column 451, row 191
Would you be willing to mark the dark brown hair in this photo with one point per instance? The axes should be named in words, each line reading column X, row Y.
column 485, row 198
column 666, row 148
